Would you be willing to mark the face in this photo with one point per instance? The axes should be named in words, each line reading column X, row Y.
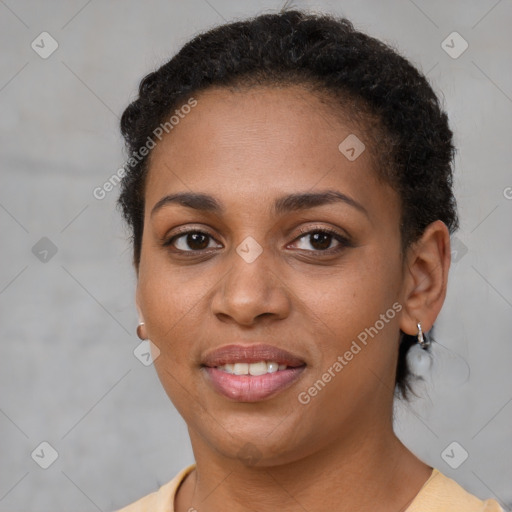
column 301, row 292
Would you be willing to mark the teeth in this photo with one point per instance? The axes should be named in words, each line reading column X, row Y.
column 229, row 368
column 272, row 367
column 240, row 368
column 255, row 369
column 258, row 368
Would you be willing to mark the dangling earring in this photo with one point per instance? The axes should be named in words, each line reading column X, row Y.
column 419, row 360
column 139, row 331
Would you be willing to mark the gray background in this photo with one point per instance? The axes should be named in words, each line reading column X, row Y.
column 68, row 375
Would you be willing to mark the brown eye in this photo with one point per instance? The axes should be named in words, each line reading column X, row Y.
column 190, row 241
column 321, row 239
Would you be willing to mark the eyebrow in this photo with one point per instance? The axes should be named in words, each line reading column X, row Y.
column 282, row 205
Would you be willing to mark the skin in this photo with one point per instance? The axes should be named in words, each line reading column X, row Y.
column 247, row 148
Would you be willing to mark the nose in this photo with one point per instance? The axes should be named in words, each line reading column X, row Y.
column 251, row 291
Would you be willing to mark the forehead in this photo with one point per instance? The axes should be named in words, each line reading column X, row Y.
column 284, row 118
column 261, row 142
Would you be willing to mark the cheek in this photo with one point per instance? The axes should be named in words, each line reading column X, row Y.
column 170, row 310
column 353, row 298
column 360, row 329
column 168, row 302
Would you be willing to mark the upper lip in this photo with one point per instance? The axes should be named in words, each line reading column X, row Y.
column 250, row 354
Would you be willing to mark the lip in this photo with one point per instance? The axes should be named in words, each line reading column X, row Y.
column 250, row 354
column 248, row 388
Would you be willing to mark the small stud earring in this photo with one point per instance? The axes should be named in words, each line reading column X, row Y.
column 139, row 331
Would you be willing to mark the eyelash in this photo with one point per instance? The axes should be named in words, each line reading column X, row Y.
column 343, row 240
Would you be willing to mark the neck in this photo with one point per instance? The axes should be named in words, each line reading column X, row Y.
column 368, row 467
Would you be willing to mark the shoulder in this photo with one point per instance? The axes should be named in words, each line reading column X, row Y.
column 442, row 494
column 162, row 500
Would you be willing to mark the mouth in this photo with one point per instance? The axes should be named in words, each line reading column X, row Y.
column 251, row 373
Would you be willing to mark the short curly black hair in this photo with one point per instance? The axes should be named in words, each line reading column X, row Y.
column 404, row 121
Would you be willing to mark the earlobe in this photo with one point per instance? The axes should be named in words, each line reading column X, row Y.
column 426, row 279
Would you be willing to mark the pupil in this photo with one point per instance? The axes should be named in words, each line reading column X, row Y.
column 324, row 237
column 194, row 241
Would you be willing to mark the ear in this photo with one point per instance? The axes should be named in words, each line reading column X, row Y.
column 425, row 278
column 141, row 329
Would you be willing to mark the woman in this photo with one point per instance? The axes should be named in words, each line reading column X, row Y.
column 289, row 192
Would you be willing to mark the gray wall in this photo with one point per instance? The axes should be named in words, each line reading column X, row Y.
column 68, row 375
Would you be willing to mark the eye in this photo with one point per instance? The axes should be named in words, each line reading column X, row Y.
column 190, row 241
column 321, row 239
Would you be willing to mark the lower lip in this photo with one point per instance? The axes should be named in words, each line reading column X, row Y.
column 248, row 388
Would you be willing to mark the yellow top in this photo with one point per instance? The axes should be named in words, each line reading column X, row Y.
column 438, row 494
